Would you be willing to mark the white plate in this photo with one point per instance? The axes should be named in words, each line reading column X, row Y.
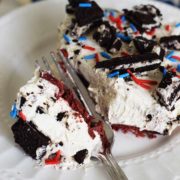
column 26, row 35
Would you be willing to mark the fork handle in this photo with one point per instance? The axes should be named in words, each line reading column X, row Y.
column 112, row 166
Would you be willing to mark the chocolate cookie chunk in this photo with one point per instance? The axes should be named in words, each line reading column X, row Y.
column 170, row 42
column 88, row 15
column 144, row 17
column 143, row 45
column 130, row 61
column 105, row 35
column 168, row 91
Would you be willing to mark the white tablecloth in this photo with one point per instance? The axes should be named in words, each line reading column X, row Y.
column 7, row 6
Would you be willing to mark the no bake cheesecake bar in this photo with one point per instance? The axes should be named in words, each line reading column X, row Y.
column 123, row 55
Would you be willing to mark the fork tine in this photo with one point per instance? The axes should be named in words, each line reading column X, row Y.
column 64, row 77
column 46, row 64
column 89, row 104
column 37, row 65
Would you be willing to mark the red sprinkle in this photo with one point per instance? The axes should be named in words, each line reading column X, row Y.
column 145, row 83
column 116, row 20
column 112, row 18
column 176, row 57
column 137, row 33
column 55, row 160
column 134, row 130
column 65, row 53
column 89, row 48
column 119, row 24
column 97, row 57
column 168, row 27
column 22, row 116
column 152, row 32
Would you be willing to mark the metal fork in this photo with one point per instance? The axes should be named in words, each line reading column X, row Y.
column 73, row 82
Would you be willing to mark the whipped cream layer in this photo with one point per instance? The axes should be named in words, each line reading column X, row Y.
column 66, row 129
column 123, row 102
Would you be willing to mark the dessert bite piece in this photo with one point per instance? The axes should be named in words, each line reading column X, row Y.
column 168, row 91
column 52, row 126
column 121, row 58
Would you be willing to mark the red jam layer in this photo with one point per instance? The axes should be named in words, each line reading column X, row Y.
column 134, row 130
column 67, row 94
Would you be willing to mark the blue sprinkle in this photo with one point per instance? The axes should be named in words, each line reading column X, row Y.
column 85, row 5
column 67, row 38
column 178, row 25
column 124, row 75
column 178, row 68
column 133, row 27
column 82, row 38
column 14, row 111
column 89, row 57
column 105, row 55
column 172, row 59
column 123, row 37
column 123, row 19
column 170, row 54
column 164, row 71
column 113, row 74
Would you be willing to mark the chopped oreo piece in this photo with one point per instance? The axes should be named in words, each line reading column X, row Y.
column 61, row 143
column 144, row 17
column 149, row 117
column 80, row 156
column 40, row 87
column 116, row 46
column 166, row 132
column 143, row 45
column 105, row 35
column 167, row 80
column 168, row 91
column 60, row 116
column 54, row 100
column 85, row 16
column 78, row 31
column 171, row 42
column 125, row 62
column 39, row 110
column 70, row 9
column 22, row 101
column 76, row 52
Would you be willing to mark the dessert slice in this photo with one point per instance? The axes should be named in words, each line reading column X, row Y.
column 120, row 58
column 52, row 126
